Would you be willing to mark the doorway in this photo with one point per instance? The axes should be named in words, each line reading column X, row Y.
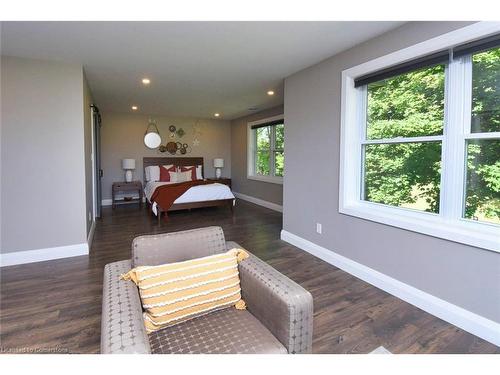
column 96, row 161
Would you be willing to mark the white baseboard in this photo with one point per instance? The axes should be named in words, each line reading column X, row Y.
column 40, row 255
column 90, row 236
column 106, row 202
column 109, row 202
column 468, row 321
column 260, row 202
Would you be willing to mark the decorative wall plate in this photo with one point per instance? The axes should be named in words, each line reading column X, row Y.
column 172, row 147
column 180, row 132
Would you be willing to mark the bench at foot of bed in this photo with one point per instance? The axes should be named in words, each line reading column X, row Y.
column 189, row 206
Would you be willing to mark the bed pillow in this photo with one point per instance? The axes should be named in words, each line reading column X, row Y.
column 152, row 173
column 192, row 170
column 165, row 171
column 176, row 292
column 180, row 176
column 195, row 170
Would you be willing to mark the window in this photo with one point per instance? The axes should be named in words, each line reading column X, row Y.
column 266, row 145
column 482, row 187
column 402, row 148
column 421, row 139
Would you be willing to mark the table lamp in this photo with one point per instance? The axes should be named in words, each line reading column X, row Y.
column 128, row 165
column 218, row 164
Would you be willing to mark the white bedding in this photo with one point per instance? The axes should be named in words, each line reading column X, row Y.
column 210, row 192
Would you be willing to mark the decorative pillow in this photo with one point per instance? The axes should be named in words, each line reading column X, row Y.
column 196, row 171
column 152, row 173
column 165, row 171
column 192, row 170
column 180, row 176
column 176, row 292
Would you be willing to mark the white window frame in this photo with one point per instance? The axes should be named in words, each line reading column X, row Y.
column 448, row 224
column 252, row 149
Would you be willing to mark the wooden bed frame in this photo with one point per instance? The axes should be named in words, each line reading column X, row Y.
column 181, row 161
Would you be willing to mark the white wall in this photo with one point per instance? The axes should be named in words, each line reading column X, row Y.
column 42, row 155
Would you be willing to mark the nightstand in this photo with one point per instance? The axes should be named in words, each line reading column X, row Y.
column 135, row 186
column 222, row 180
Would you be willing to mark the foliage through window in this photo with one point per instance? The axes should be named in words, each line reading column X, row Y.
column 268, row 149
column 402, row 147
column 483, row 154
column 398, row 171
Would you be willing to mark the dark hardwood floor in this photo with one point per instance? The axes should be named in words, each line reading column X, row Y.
column 57, row 304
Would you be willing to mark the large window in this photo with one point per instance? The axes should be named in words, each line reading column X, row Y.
column 421, row 142
column 266, row 147
column 402, row 149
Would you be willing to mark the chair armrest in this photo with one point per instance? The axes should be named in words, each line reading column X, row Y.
column 122, row 325
column 280, row 304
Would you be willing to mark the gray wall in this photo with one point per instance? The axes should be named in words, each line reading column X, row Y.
column 43, row 171
column 263, row 190
column 87, row 123
column 122, row 137
column 463, row 275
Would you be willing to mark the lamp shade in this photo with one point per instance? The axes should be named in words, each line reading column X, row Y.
column 128, row 164
column 218, row 163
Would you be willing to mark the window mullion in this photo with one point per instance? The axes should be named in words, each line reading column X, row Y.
column 457, row 124
column 271, row 150
column 362, row 126
column 490, row 135
column 430, row 138
column 256, row 150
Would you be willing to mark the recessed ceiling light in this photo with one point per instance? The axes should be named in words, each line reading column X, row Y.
column 216, row 114
column 146, row 81
column 270, row 93
column 134, row 108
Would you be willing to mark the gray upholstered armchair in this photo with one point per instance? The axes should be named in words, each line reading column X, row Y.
column 279, row 318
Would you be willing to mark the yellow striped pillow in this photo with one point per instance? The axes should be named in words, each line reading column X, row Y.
column 176, row 292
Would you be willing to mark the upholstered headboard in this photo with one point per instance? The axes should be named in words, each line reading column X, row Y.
column 177, row 161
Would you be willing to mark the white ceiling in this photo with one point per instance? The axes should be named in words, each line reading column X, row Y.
column 196, row 68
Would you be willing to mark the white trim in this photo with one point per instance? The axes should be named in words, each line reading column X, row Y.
column 271, row 179
column 41, row 255
column 471, row 322
column 251, row 175
column 490, row 135
column 106, row 202
column 109, row 202
column 449, row 224
column 430, row 138
column 90, row 236
column 260, row 202
column 267, row 119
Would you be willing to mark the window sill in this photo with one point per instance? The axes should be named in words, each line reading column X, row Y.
column 482, row 235
column 270, row 179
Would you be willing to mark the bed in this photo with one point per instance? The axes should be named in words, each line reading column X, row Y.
column 207, row 195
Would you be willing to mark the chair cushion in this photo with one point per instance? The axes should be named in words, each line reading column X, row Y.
column 152, row 250
column 224, row 331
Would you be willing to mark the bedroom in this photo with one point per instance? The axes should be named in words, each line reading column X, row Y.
column 146, row 144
